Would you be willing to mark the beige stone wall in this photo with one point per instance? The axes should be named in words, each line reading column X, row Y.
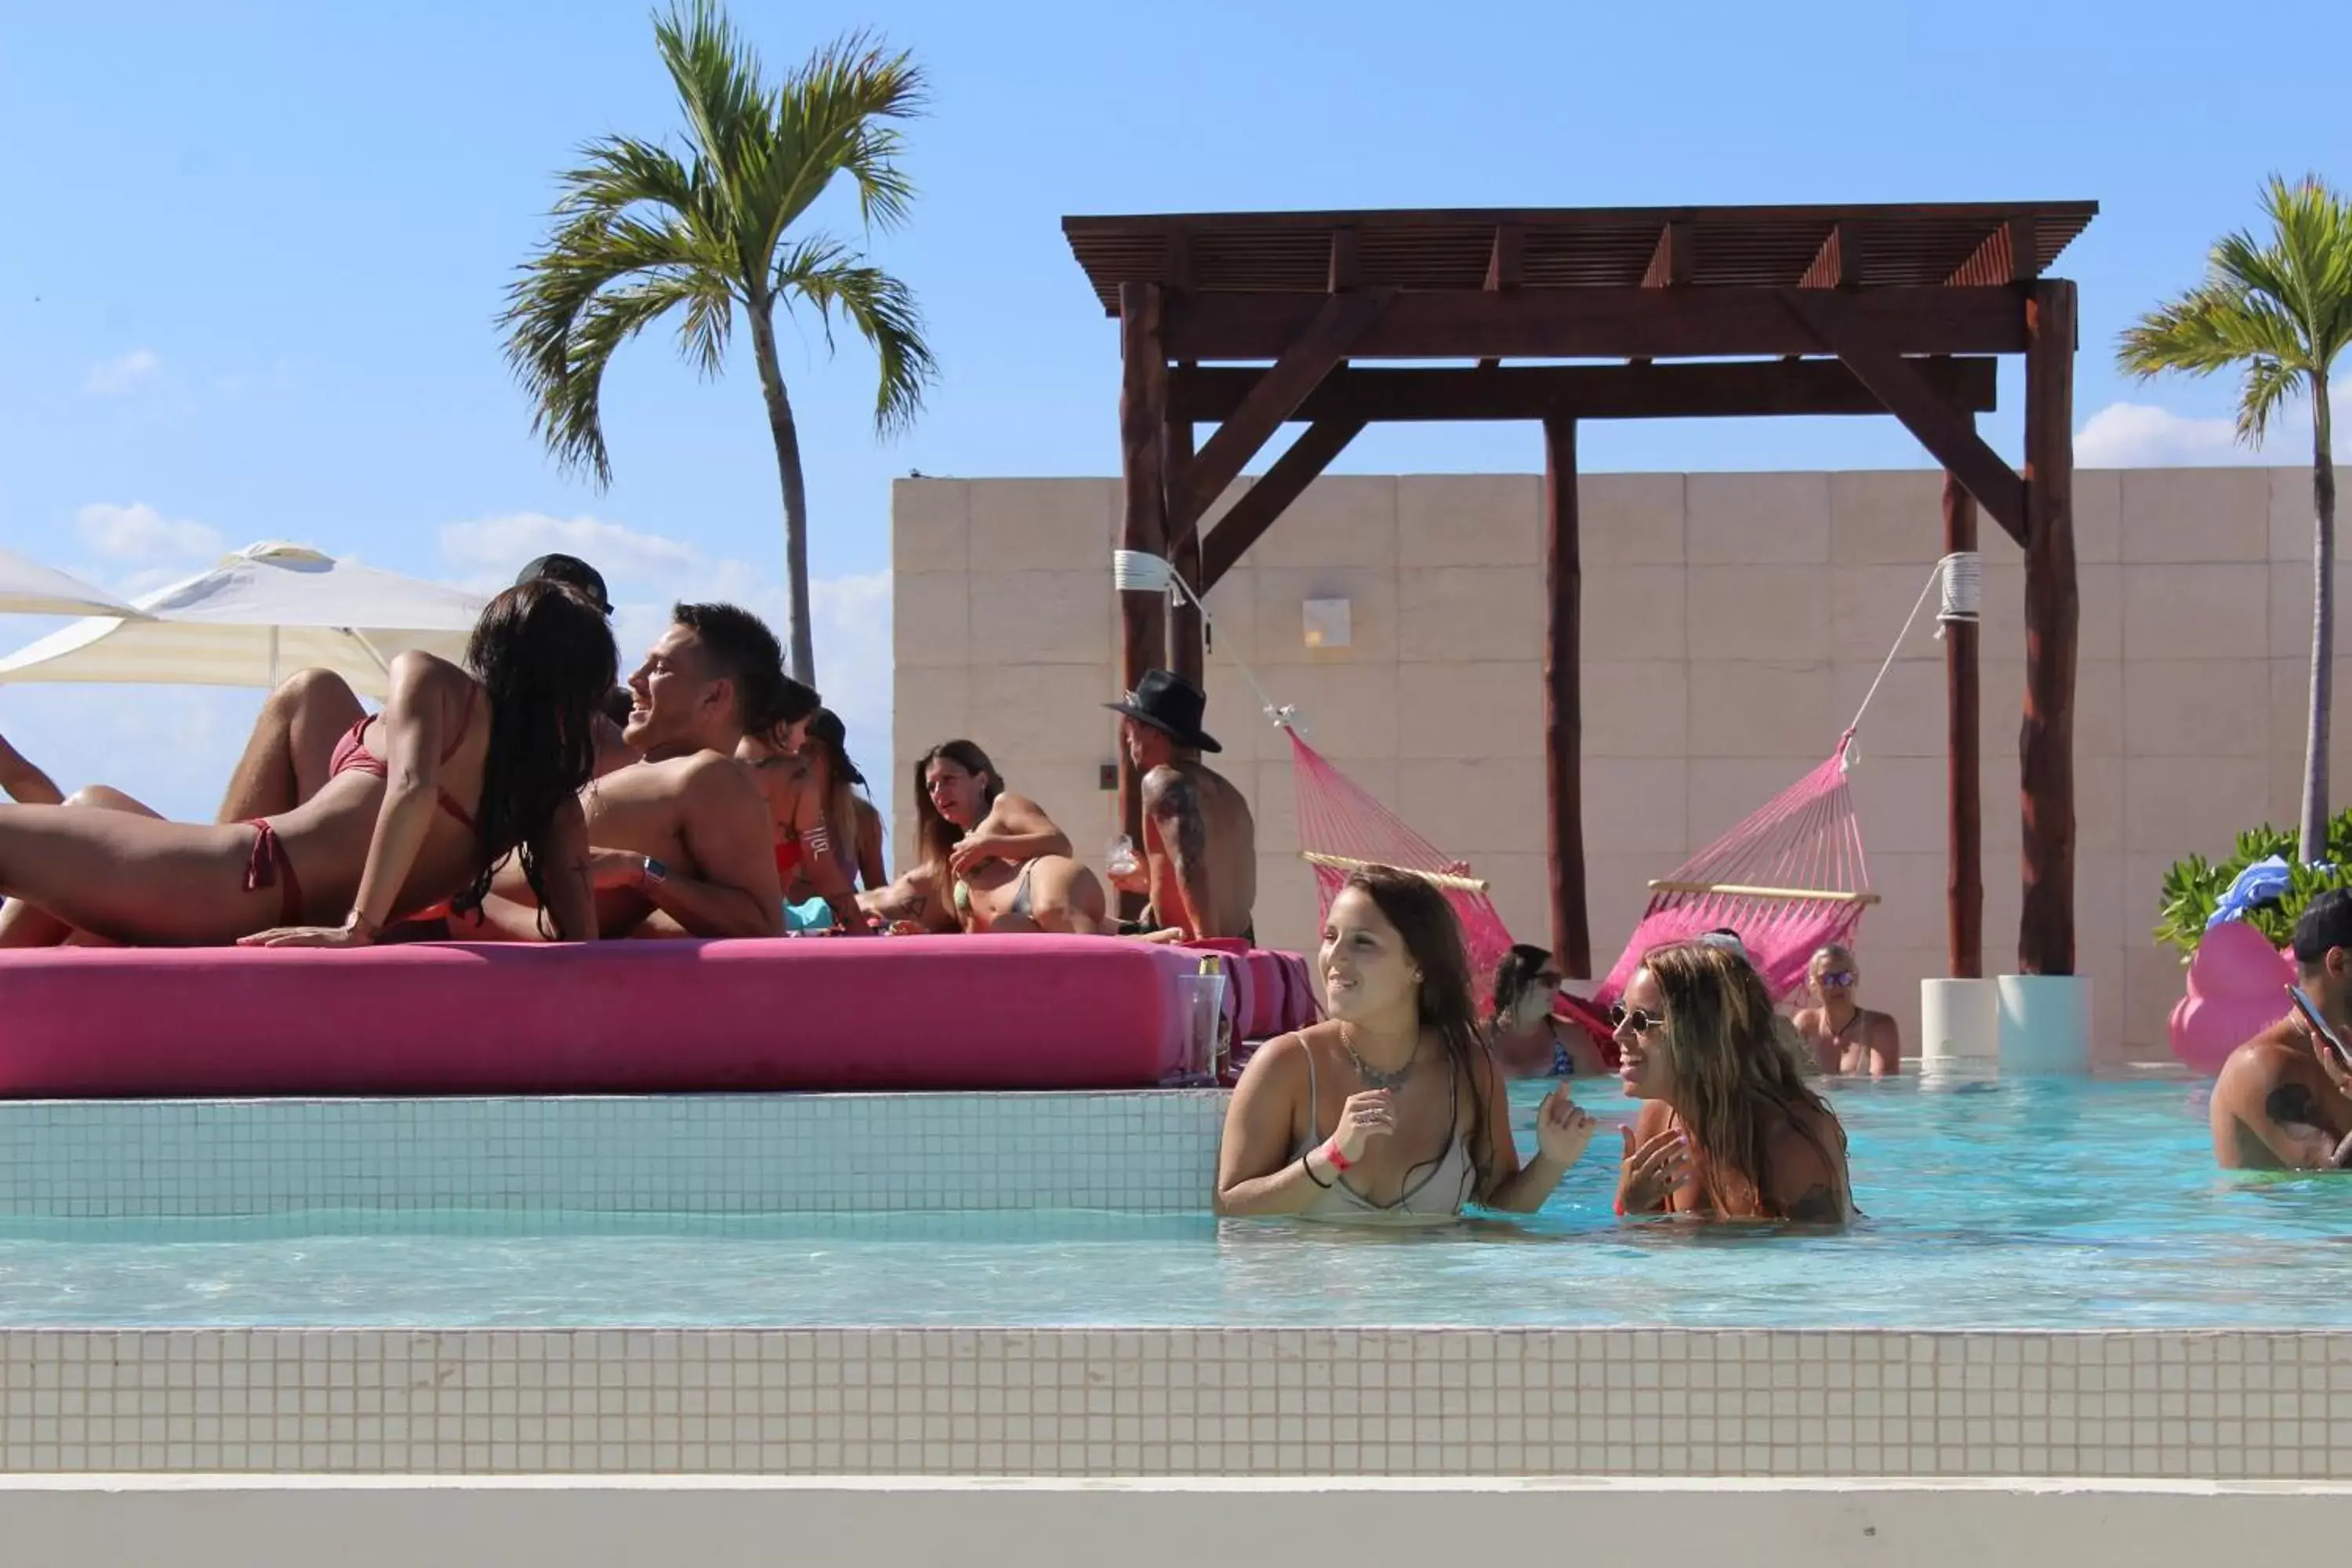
column 1732, row 623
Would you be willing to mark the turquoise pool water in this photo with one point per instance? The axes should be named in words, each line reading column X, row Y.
column 2019, row 1205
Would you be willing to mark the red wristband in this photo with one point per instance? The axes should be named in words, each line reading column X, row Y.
column 1331, row 1151
column 1620, row 1206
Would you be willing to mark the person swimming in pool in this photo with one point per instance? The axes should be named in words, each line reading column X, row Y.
column 1392, row 1111
column 1840, row 1033
column 991, row 860
column 1522, row 1030
column 2283, row 1100
column 412, row 809
column 1730, row 1131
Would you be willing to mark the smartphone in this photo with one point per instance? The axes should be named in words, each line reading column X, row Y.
column 2319, row 1029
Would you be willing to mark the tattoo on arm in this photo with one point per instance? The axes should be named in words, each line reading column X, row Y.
column 1176, row 807
column 1819, row 1205
column 2291, row 1105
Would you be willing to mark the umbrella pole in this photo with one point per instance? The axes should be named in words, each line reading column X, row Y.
column 273, row 658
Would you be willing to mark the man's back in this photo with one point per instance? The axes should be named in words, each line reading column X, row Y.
column 1227, row 846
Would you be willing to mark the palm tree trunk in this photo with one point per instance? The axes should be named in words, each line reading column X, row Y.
column 800, row 652
column 2323, row 626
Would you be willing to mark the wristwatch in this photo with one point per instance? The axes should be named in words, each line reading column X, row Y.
column 653, row 872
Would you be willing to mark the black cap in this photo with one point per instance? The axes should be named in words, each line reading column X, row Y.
column 572, row 570
column 2327, row 922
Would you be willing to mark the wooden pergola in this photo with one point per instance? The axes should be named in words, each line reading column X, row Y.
column 1248, row 322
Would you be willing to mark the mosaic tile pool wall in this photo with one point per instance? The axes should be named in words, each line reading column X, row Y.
column 1231, row 1401
column 704, row 1154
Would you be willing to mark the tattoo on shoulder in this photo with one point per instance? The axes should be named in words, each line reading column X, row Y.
column 1819, row 1205
column 2292, row 1104
column 1178, row 803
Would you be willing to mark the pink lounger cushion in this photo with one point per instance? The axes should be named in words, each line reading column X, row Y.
column 896, row 1013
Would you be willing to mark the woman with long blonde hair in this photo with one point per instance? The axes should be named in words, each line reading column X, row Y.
column 1730, row 1130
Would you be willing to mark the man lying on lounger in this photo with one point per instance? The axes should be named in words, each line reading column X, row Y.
column 1200, row 842
column 680, row 842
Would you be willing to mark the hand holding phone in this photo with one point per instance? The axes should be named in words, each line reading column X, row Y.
column 2320, row 1031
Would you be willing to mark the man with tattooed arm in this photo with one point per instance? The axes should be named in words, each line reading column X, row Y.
column 1200, row 842
column 2283, row 1101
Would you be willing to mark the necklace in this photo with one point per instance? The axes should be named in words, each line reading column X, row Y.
column 1373, row 1077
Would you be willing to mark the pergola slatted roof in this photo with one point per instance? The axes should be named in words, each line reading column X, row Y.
column 1573, row 247
column 1254, row 320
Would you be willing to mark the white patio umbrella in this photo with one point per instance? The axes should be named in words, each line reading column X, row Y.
column 29, row 588
column 260, row 615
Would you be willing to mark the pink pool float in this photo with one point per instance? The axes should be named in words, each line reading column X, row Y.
column 2237, row 988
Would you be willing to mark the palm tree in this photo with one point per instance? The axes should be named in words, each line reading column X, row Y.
column 2280, row 309
column 641, row 230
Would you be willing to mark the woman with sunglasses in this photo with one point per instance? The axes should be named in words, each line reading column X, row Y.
column 1842, row 1035
column 1730, row 1131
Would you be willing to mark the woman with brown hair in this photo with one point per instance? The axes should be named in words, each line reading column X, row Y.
column 1523, row 1022
column 1730, row 1130
column 1418, row 1116
column 991, row 860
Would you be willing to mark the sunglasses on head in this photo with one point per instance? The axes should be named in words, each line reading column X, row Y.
column 1838, row 977
column 1622, row 1016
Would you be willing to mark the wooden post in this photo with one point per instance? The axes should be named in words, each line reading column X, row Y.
column 1143, row 425
column 1187, row 645
column 1572, row 934
column 1964, row 886
column 2045, row 934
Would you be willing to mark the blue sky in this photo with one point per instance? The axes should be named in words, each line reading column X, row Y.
column 248, row 288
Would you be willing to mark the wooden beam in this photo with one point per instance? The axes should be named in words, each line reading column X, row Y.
column 1595, row 323
column 1838, row 263
column 1187, row 645
column 1326, row 339
column 1507, row 259
column 1950, row 435
column 2045, row 751
column 1142, row 432
column 1505, row 262
column 1670, row 264
column 1347, row 260
column 1728, row 388
column 1178, row 272
column 1964, row 804
column 2011, row 253
column 1246, row 520
column 1563, row 679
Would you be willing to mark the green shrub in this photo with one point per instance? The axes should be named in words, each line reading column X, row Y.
column 2193, row 886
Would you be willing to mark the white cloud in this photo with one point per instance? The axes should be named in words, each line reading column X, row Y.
column 2140, row 436
column 139, row 533
column 114, row 377
column 499, row 545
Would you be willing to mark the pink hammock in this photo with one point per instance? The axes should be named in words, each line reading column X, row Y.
column 1342, row 830
column 1789, row 879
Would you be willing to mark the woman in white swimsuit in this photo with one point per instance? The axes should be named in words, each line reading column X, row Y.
column 1392, row 1111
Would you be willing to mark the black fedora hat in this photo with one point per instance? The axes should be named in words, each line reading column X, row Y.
column 1169, row 702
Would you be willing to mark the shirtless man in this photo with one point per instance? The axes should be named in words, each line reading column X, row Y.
column 2284, row 1103
column 1199, row 843
column 1842, row 1036
column 680, row 842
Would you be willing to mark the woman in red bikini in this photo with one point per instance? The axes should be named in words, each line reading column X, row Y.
column 419, row 802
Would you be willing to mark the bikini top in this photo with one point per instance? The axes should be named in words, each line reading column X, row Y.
column 1444, row 1184
column 353, row 756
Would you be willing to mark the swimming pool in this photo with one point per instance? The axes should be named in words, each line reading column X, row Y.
column 2048, row 1203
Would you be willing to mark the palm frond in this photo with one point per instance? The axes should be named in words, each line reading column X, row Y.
column 594, row 284
column 729, row 116
column 2267, row 386
column 821, row 271
column 622, row 172
column 827, row 123
column 2278, row 309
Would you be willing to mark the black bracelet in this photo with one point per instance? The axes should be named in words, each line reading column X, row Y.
column 1311, row 1175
